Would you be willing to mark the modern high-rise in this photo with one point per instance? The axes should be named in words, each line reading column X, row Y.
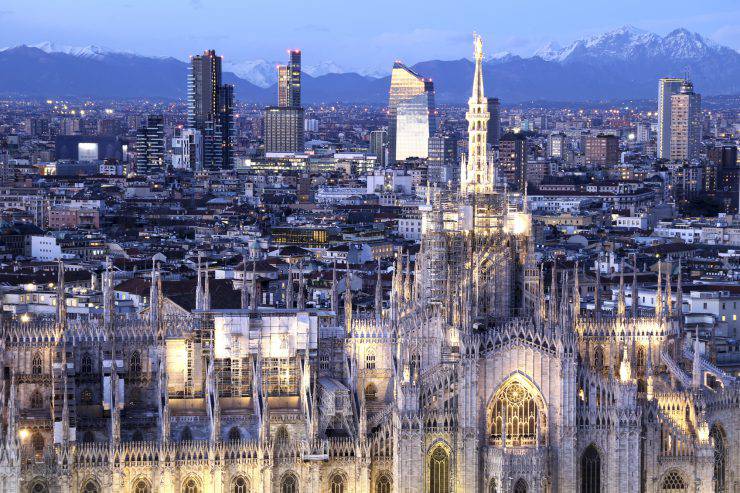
column 284, row 128
column 557, row 145
column 667, row 87
column 187, row 149
column 513, row 160
column 494, row 121
column 442, row 162
column 379, row 146
column 411, row 114
column 685, row 123
column 210, row 109
column 150, row 146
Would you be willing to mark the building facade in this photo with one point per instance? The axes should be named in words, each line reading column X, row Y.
column 411, row 114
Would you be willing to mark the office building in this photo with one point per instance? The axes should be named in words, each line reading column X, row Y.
column 685, row 123
column 379, row 146
column 442, row 163
column 150, row 146
column 210, row 109
column 410, row 114
column 557, row 145
column 667, row 87
column 294, row 76
column 512, row 160
column 601, row 149
column 283, row 129
column 187, row 149
column 494, row 121
column 87, row 148
column 283, row 85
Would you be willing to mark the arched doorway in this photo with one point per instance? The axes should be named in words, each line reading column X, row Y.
column 590, row 470
column 520, row 486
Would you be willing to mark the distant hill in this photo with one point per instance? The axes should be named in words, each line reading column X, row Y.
column 625, row 63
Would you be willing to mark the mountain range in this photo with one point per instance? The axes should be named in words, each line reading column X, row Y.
column 621, row 64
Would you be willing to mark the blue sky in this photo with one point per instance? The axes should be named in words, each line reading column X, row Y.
column 352, row 33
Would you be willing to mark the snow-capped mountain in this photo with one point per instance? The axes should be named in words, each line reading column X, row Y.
column 323, row 68
column 261, row 73
column 630, row 43
column 91, row 51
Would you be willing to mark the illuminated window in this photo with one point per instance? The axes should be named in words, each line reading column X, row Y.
column 370, row 361
column 371, row 392
column 514, row 415
column 439, row 471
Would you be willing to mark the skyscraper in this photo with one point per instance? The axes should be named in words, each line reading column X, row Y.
column 513, row 160
column 210, row 108
column 379, row 145
column 442, row 159
column 667, row 87
column 283, row 124
column 494, row 122
column 150, row 146
column 410, row 114
column 685, row 123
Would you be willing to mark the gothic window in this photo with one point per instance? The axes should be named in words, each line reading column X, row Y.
column 514, row 416
column 439, row 471
column 673, row 483
column 371, row 392
column 718, row 437
column 599, row 358
column 86, row 364
column 190, row 486
column 640, row 359
column 88, row 437
column 134, row 365
column 90, row 487
column 37, row 441
column 86, row 396
column 240, row 485
column 383, row 485
column 37, row 364
column 337, row 483
column 520, row 486
column 235, row 434
column 142, row 486
column 281, row 436
column 590, row 470
column 186, row 434
column 370, row 361
column 37, row 402
column 39, row 487
column 289, row 484
column 415, row 366
column 492, row 486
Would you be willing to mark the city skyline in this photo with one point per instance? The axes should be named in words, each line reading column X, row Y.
column 369, row 43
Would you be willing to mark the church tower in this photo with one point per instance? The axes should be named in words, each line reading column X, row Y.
column 476, row 173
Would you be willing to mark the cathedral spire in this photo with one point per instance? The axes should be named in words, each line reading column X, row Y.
column 289, row 288
column 476, row 174
column 668, row 292
column 659, row 293
column 696, row 367
column 649, row 370
column 407, row 280
column 621, row 309
column 301, row 287
column 244, row 293
column 347, row 300
column 334, row 290
column 378, row 296
column 253, row 298
column 199, row 287
column 597, row 289
column 576, row 292
column 207, row 288
column 634, row 286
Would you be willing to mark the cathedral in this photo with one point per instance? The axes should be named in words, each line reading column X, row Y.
column 480, row 371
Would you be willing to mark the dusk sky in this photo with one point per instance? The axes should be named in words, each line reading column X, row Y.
column 353, row 34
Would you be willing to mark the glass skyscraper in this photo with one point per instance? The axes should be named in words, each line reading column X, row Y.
column 411, row 114
column 210, row 108
column 667, row 87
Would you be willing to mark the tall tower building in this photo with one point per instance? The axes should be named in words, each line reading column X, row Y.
column 685, row 123
column 379, row 146
column 494, row 122
column 210, row 109
column 667, row 87
column 150, row 146
column 410, row 114
column 477, row 174
column 284, row 124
